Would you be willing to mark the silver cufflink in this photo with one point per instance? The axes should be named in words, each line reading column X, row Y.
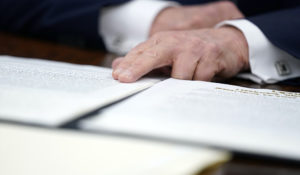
column 117, row 41
column 283, row 68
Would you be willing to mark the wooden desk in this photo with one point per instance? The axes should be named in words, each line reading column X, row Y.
column 240, row 165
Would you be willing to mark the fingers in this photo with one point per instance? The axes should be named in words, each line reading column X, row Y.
column 126, row 61
column 199, row 55
column 116, row 62
column 184, row 65
column 209, row 65
column 205, row 71
column 135, row 65
column 203, row 65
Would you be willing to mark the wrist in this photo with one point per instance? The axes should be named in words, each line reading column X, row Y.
column 228, row 10
column 235, row 40
column 161, row 18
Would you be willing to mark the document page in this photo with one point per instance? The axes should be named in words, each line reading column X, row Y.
column 37, row 151
column 51, row 93
column 242, row 119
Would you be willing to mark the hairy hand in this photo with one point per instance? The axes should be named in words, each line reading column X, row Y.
column 195, row 17
column 205, row 54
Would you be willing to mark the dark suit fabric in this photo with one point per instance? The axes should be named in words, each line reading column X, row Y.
column 282, row 28
column 74, row 20
column 56, row 19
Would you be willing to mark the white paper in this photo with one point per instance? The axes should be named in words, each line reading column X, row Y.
column 51, row 93
column 249, row 120
column 33, row 151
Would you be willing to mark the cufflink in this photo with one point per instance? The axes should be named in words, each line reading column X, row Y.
column 117, row 41
column 282, row 68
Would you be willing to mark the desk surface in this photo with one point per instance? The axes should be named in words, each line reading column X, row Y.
column 241, row 164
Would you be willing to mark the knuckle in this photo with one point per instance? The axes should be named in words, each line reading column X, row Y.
column 196, row 43
column 165, row 36
column 213, row 47
column 137, row 64
column 197, row 21
column 152, row 53
column 220, row 66
column 138, row 49
column 183, row 25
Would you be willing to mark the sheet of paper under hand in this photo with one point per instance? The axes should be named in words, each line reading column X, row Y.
column 249, row 120
column 32, row 151
column 51, row 93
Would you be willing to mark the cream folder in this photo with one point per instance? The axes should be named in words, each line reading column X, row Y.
column 35, row 151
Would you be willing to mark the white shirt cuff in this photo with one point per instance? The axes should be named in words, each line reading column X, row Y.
column 124, row 26
column 268, row 63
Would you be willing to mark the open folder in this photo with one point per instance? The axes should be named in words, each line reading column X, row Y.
column 259, row 121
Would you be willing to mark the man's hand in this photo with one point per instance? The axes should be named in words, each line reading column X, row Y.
column 195, row 17
column 205, row 54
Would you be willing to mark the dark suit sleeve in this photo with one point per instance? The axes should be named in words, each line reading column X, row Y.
column 282, row 28
column 54, row 19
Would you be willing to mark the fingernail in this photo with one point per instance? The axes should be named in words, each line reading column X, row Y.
column 126, row 75
column 118, row 71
